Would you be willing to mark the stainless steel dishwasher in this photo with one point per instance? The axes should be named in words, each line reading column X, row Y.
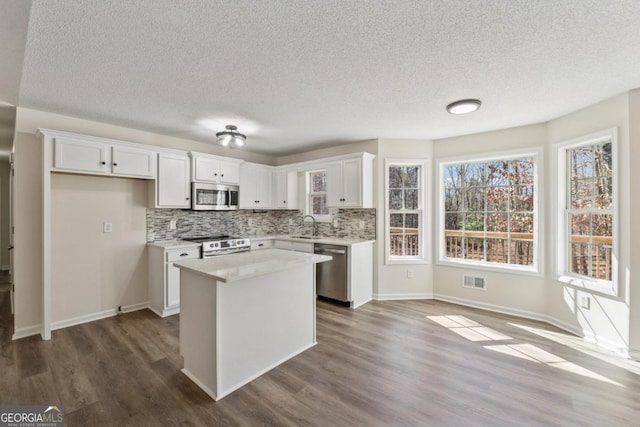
column 331, row 276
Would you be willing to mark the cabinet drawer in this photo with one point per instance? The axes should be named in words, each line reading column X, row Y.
column 177, row 255
column 261, row 244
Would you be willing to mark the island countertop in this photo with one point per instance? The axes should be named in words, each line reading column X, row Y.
column 245, row 265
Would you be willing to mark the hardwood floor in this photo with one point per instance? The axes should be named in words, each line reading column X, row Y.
column 392, row 363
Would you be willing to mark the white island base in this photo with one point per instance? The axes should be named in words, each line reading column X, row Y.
column 231, row 333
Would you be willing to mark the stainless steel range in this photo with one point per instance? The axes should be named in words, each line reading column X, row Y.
column 220, row 244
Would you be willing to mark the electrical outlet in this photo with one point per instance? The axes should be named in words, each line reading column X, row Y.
column 335, row 223
column 172, row 225
column 409, row 273
column 361, row 224
column 585, row 302
column 107, row 227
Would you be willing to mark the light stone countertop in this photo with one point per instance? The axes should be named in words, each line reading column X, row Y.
column 174, row 244
column 245, row 265
column 346, row 241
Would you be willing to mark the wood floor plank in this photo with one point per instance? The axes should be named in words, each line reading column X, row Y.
column 386, row 363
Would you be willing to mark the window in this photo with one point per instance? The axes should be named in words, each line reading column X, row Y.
column 317, row 194
column 405, row 183
column 586, row 216
column 489, row 212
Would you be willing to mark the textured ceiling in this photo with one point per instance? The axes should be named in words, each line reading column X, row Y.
column 296, row 75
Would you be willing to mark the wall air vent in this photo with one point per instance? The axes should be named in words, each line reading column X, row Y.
column 474, row 282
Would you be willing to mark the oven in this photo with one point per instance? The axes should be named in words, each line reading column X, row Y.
column 214, row 197
column 220, row 244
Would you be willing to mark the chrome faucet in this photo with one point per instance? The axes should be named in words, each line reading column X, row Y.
column 315, row 226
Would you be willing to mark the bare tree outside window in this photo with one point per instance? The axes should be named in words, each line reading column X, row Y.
column 318, row 193
column 404, row 210
column 590, row 210
column 489, row 212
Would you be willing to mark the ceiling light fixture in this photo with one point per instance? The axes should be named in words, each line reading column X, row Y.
column 464, row 106
column 230, row 137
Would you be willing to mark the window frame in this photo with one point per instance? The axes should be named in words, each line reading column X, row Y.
column 562, row 210
column 537, row 268
column 308, row 194
column 424, row 205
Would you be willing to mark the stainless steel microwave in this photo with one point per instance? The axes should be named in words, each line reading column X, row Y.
column 214, row 197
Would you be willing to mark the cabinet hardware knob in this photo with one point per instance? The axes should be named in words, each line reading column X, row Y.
column 103, row 163
column 184, row 254
column 115, row 164
column 261, row 245
column 215, row 174
column 187, row 198
column 221, row 174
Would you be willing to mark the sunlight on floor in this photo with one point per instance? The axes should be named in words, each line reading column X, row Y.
column 476, row 332
column 473, row 331
column 581, row 345
column 534, row 354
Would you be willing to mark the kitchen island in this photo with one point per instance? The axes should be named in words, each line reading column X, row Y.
column 244, row 314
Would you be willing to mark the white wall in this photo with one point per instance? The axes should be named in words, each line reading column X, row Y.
column 634, row 223
column 506, row 292
column 92, row 271
column 27, row 273
column 391, row 279
column 607, row 320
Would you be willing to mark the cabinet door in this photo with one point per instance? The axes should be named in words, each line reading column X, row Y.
column 172, row 293
column 206, row 169
column 248, row 185
column 264, row 187
column 281, row 190
column 352, row 183
column 229, row 172
column 80, row 156
column 334, row 184
column 173, row 181
column 133, row 162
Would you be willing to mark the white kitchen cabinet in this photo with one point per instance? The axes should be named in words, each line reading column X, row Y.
column 173, row 185
column 215, row 169
column 76, row 154
column 294, row 246
column 350, row 182
column 132, row 161
column 164, row 277
column 286, row 189
column 256, row 186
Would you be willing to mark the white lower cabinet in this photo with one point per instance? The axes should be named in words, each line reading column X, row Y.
column 294, row 246
column 164, row 277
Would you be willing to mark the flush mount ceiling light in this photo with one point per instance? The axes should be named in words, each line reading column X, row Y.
column 230, row 137
column 464, row 106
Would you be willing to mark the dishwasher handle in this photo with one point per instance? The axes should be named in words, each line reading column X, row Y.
column 331, row 251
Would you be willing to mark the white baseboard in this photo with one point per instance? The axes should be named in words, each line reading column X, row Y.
column 27, row 332
column 96, row 316
column 391, row 297
column 491, row 307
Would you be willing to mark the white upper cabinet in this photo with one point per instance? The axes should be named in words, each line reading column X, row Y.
column 215, row 169
column 256, row 186
column 350, row 182
column 173, row 186
column 132, row 161
column 76, row 154
column 285, row 189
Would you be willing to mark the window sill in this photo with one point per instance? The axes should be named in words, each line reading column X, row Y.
column 498, row 268
column 601, row 286
column 405, row 261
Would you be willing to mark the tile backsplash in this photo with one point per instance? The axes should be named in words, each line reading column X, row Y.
column 353, row 223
